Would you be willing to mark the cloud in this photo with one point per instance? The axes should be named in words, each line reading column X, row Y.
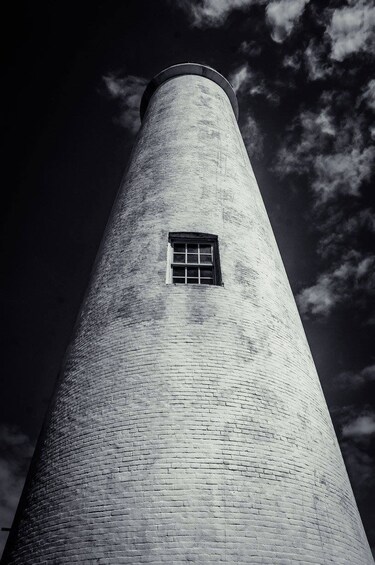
column 330, row 146
column 318, row 298
column 282, row 16
column 342, row 172
column 15, row 454
column 360, row 464
column 341, row 232
column 356, row 435
column 369, row 94
column 368, row 372
column 253, row 137
column 127, row 91
column 213, row 13
column 352, row 29
column 356, row 379
column 350, row 278
column 247, row 82
column 240, row 77
column 361, row 426
column 250, row 48
column 293, row 61
column 308, row 134
column 317, row 64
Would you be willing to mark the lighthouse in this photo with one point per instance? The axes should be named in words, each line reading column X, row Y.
column 188, row 423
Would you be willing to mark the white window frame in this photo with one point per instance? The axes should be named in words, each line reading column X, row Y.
column 194, row 238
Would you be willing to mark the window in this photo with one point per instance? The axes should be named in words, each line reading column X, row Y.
column 194, row 259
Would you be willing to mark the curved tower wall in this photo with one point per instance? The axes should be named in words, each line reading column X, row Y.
column 189, row 424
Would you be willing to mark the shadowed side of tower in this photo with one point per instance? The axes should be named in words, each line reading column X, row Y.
column 189, row 423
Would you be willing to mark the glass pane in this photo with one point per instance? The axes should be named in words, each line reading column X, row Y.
column 192, row 247
column 179, row 247
column 206, row 258
column 192, row 272
column 207, row 281
column 205, row 273
column 192, row 258
column 192, row 281
column 179, row 258
column 177, row 280
column 205, row 249
column 178, row 271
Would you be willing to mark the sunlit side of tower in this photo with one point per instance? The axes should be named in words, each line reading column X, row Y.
column 189, row 424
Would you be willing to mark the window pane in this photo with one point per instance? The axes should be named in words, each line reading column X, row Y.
column 179, row 258
column 192, row 258
column 179, row 271
column 192, row 272
column 205, row 273
column 179, row 247
column 193, row 261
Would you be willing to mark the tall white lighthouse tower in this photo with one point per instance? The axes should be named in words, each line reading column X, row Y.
column 189, row 424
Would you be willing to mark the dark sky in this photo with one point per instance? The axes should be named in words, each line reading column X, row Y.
column 73, row 75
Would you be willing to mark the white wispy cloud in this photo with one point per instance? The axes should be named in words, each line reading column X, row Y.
column 293, row 61
column 332, row 149
column 308, row 134
column 213, row 13
column 252, row 136
column 342, row 172
column 127, row 91
column 363, row 425
column 317, row 63
column 241, row 77
column 352, row 276
column 356, row 433
column 340, row 232
column 352, row 29
column 250, row 48
column 369, row 94
column 318, row 299
column 246, row 81
column 360, row 464
column 282, row 16
column 329, row 146
column 15, row 454
column 356, row 379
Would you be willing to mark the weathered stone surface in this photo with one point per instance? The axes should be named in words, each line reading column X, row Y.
column 189, row 424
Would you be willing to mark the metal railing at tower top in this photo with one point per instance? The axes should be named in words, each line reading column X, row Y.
column 188, row 69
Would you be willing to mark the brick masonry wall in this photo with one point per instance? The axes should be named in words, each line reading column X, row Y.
column 189, row 424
